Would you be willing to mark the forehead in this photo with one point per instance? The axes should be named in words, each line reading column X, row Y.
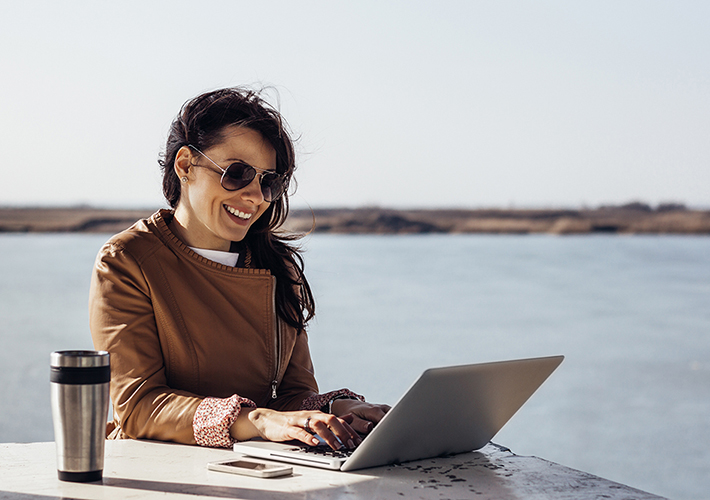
column 247, row 145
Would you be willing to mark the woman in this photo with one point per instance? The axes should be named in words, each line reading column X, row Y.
column 203, row 307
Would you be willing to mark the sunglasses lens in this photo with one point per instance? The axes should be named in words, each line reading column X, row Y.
column 240, row 175
column 237, row 176
column 272, row 186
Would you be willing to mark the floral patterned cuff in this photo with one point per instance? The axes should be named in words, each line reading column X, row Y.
column 214, row 417
column 318, row 401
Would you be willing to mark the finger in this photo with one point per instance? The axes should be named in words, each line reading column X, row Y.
column 384, row 409
column 372, row 413
column 350, row 418
column 302, row 433
column 336, row 432
column 305, row 437
column 361, row 425
column 352, row 435
column 299, row 428
column 308, row 428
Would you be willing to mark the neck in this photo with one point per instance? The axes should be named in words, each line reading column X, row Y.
column 186, row 229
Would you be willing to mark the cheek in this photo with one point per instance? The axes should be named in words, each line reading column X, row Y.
column 205, row 195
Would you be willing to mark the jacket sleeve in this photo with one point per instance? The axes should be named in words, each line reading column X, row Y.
column 123, row 323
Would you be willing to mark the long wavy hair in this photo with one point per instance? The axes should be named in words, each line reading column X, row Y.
column 201, row 123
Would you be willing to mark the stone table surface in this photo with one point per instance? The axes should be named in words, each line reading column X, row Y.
column 145, row 469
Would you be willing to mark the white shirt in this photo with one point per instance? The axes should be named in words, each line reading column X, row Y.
column 219, row 256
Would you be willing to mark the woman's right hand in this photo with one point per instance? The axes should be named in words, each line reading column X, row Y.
column 285, row 426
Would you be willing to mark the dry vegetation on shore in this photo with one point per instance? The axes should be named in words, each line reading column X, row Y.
column 633, row 218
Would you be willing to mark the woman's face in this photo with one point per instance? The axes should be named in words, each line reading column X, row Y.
column 207, row 215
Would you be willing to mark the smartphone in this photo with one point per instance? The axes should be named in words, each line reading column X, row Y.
column 251, row 468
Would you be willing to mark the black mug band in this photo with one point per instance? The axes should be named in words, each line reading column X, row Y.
column 80, row 375
column 81, row 477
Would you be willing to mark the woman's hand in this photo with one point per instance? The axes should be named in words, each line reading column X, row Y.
column 360, row 415
column 299, row 425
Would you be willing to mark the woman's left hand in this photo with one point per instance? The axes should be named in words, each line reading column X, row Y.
column 365, row 415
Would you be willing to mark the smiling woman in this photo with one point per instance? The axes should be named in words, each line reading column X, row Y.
column 208, row 215
column 203, row 307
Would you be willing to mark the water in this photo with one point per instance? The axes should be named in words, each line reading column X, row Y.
column 631, row 315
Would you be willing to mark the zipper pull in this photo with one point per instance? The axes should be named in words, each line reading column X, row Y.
column 273, row 389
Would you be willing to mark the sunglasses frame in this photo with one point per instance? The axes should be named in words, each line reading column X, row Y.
column 258, row 171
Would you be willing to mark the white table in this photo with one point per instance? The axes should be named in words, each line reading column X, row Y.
column 145, row 469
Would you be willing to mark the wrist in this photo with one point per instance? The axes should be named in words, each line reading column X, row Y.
column 243, row 427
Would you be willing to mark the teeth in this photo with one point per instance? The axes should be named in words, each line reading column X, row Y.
column 236, row 212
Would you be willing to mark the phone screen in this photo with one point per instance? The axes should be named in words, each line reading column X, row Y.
column 243, row 464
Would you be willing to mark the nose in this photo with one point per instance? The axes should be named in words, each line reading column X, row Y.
column 252, row 191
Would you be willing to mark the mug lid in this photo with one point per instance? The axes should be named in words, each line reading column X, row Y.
column 79, row 359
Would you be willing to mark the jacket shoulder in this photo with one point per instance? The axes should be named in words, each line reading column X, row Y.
column 140, row 241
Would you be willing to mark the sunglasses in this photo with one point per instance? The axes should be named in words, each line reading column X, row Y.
column 239, row 175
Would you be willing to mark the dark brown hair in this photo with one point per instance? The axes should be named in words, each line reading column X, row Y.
column 201, row 123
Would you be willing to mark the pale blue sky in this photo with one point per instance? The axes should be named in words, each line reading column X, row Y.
column 397, row 104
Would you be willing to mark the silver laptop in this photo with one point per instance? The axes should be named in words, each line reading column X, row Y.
column 446, row 411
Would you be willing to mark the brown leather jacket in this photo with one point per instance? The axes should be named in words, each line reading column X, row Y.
column 180, row 327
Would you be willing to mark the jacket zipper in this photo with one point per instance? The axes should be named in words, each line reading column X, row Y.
column 275, row 382
column 277, row 345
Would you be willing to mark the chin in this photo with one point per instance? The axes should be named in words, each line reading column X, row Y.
column 237, row 235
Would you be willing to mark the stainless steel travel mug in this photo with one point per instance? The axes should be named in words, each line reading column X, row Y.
column 80, row 399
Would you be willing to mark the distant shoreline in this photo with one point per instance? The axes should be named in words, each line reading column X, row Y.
column 633, row 218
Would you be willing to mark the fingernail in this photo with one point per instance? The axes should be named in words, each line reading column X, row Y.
column 351, row 445
column 315, row 441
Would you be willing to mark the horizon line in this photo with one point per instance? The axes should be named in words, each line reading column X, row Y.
column 639, row 204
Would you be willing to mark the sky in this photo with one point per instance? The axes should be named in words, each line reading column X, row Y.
column 400, row 104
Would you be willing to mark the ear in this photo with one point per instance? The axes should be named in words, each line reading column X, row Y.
column 183, row 162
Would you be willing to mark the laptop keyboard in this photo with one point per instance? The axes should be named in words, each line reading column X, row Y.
column 326, row 451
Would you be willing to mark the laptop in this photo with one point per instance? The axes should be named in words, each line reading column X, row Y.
column 448, row 410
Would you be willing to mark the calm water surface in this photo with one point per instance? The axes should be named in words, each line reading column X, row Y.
column 631, row 315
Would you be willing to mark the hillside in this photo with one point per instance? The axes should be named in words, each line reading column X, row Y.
column 634, row 218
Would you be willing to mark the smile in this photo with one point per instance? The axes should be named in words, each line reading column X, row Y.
column 237, row 213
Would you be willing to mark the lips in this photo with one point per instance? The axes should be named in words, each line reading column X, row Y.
column 238, row 213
